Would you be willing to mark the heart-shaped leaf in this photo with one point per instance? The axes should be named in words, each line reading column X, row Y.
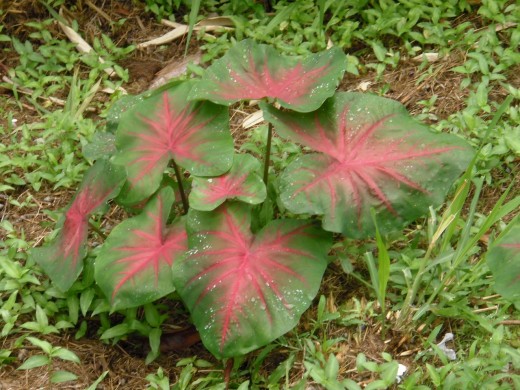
column 504, row 262
column 166, row 126
column 245, row 290
column 103, row 145
column 242, row 182
column 134, row 265
column 252, row 71
column 62, row 259
column 372, row 154
column 120, row 106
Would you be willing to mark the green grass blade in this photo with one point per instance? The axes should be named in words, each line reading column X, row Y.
column 281, row 16
column 54, row 14
column 495, row 215
column 372, row 270
column 383, row 273
column 454, row 209
column 192, row 18
column 94, row 385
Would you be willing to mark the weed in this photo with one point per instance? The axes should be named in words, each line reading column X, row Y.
column 50, row 353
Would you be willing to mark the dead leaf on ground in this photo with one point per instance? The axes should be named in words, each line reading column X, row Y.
column 174, row 69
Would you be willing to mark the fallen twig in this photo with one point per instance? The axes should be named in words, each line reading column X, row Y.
column 174, row 69
column 485, row 309
column 27, row 91
column 429, row 57
column 253, row 119
column 180, row 30
column 510, row 322
column 168, row 37
column 99, row 11
column 30, row 92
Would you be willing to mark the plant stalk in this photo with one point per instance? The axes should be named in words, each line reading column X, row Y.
column 97, row 231
column 412, row 292
column 178, row 176
column 267, row 158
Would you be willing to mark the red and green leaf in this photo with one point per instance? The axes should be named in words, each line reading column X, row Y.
column 253, row 71
column 371, row 154
column 62, row 259
column 245, row 290
column 504, row 262
column 166, row 126
column 242, row 182
column 134, row 265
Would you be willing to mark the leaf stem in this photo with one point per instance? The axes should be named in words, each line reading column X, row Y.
column 178, row 175
column 268, row 152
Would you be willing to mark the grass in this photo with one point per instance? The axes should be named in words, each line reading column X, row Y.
column 367, row 319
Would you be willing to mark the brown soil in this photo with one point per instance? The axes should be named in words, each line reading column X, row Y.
column 125, row 361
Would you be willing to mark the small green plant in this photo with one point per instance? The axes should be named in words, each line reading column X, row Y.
column 163, row 9
column 247, row 278
column 325, row 372
column 50, row 353
column 387, row 371
column 158, row 381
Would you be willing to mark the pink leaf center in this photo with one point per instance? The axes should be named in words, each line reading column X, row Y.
column 226, row 187
column 288, row 84
column 149, row 250
column 246, row 268
column 360, row 161
column 169, row 134
column 76, row 220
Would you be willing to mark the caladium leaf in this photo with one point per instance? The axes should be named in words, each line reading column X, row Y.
column 253, row 71
column 165, row 127
column 371, row 154
column 120, row 106
column 134, row 265
column 245, row 290
column 503, row 260
column 103, row 145
column 242, row 182
column 62, row 259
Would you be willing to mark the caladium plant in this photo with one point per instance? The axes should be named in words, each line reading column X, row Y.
column 246, row 281
column 503, row 260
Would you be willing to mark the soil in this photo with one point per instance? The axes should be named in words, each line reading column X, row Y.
column 124, row 362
